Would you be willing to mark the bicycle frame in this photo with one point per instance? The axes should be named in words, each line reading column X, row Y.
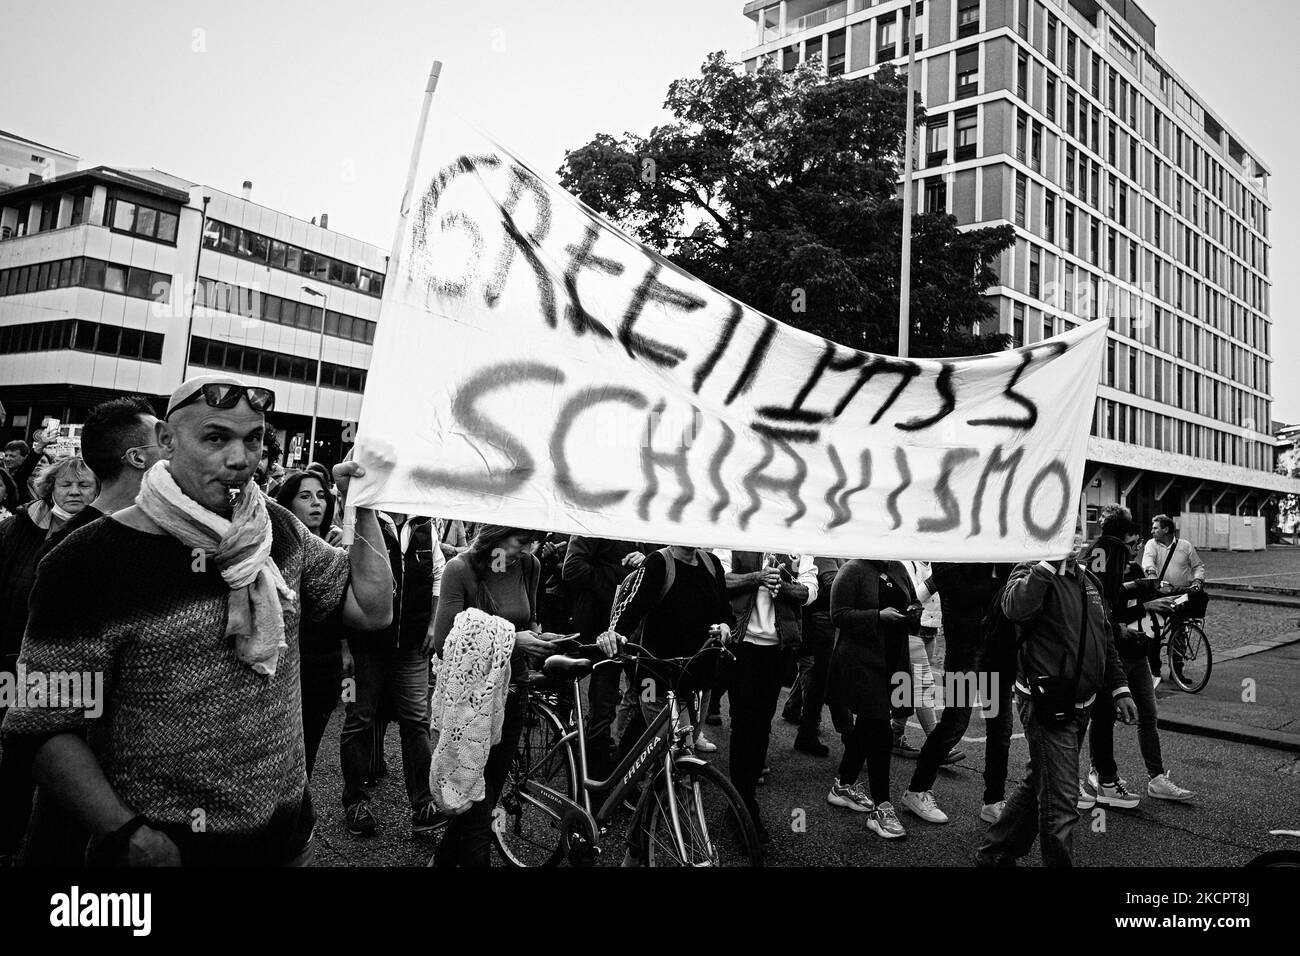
column 657, row 741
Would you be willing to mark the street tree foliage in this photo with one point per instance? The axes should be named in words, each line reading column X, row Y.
column 781, row 189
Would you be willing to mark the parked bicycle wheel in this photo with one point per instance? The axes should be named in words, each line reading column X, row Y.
column 1190, row 657
column 716, row 827
column 526, row 834
column 1275, row 858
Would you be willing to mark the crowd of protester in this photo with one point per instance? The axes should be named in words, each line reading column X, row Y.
column 178, row 557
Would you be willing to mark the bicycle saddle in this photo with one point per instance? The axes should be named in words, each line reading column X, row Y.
column 568, row 668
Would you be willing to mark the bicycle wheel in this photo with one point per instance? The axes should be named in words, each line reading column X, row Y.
column 525, row 834
column 716, row 827
column 1275, row 858
column 1190, row 657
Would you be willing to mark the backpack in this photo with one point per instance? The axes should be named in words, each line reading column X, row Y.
column 627, row 587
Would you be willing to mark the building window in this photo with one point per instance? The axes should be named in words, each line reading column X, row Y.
column 1051, row 99
column 1022, row 18
column 1071, row 55
column 835, row 46
column 907, row 30
column 1018, row 325
column 144, row 221
column 966, row 136
column 1022, row 126
column 936, row 195
column 83, row 336
column 1022, row 75
column 968, row 17
column 936, row 141
column 1020, row 199
column 886, row 39
column 968, row 72
column 1069, row 228
column 1049, row 326
column 1094, row 242
column 249, row 245
column 1036, row 148
column 1035, row 271
column 1049, row 219
column 1096, row 77
column 1051, row 39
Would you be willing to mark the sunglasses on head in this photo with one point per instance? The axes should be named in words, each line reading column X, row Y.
column 220, row 395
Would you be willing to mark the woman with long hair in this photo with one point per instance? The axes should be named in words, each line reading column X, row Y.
column 62, row 490
column 324, row 658
column 498, row 575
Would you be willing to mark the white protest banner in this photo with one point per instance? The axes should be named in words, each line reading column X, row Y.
column 536, row 367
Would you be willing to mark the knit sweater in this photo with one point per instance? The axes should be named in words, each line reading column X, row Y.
column 189, row 735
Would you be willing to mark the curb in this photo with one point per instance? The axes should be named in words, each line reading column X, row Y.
column 1230, row 730
column 1253, row 597
column 1227, row 730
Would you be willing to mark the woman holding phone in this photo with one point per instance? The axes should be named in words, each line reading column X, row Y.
column 874, row 606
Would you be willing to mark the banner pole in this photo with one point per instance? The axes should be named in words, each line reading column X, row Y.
column 395, row 255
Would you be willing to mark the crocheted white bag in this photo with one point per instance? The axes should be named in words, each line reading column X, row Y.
column 468, row 706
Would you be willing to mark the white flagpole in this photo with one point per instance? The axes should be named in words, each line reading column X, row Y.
column 350, row 510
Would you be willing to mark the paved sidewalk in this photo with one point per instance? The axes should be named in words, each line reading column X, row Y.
column 1253, row 695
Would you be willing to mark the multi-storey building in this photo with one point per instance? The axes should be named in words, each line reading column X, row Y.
column 1132, row 201
column 24, row 161
column 117, row 281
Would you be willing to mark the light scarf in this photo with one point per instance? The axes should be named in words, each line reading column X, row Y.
column 241, row 548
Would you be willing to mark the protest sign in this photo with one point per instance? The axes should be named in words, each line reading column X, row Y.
column 536, row 367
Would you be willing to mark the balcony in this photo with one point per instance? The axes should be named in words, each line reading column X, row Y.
column 816, row 18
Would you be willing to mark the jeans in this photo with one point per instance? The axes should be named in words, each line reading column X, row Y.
column 322, row 678
column 755, row 686
column 808, row 695
column 468, row 838
column 603, row 696
column 403, row 674
column 965, row 672
column 870, row 741
column 1045, row 804
column 1101, row 737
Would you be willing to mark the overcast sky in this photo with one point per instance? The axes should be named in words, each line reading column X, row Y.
column 316, row 102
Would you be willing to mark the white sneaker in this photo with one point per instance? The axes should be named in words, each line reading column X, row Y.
column 884, row 821
column 704, row 745
column 850, row 796
column 1095, row 782
column 1086, row 800
column 923, row 805
column 1117, row 795
column 992, row 812
column 1163, row 788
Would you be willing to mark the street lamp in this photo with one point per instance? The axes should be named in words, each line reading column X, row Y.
column 320, row 358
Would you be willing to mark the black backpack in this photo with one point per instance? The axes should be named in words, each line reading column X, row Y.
column 626, row 587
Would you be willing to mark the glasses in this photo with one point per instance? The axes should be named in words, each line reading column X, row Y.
column 122, row 457
column 221, row 395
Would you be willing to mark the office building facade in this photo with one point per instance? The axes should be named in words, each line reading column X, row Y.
column 116, row 281
column 1132, row 200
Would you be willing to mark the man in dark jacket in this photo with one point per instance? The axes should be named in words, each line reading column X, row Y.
column 593, row 569
column 808, row 695
column 965, row 592
column 1067, row 610
column 393, row 665
column 768, row 593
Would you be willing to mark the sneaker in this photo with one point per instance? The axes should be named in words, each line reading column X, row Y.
column 812, row 747
column 851, row 796
column 704, row 745
column 954, row 756
column 1095, row 782
column 885, row 822
column 1117, row 795
column 922, row 804
column 1162, row 788
column 358, row 818
column 992, row 812
column 1087, row 800
column 427, row 819
column 903, row 749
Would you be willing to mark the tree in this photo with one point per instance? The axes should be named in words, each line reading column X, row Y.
column 781, row 189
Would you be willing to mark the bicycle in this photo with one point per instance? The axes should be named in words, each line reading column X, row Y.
column 1191, row 659
column 1277, row 857
column 687, row 814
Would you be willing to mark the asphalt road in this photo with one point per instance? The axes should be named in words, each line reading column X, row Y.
column 1242, row 791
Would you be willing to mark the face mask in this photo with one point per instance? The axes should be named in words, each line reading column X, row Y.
column 60, row 513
